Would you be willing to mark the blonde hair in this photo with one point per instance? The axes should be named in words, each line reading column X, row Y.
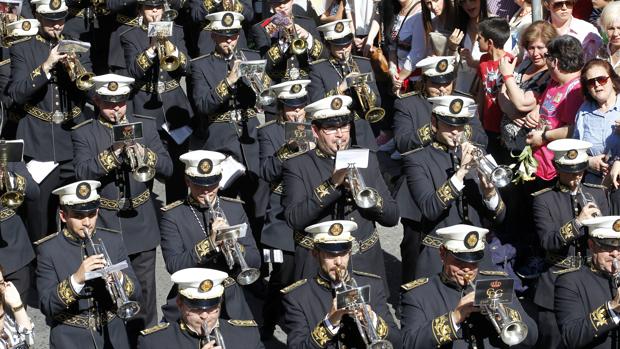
column 610, row 13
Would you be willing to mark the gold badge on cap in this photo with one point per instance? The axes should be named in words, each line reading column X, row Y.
column 295, row 88
column 55, row 4
column 471, row 239
column 339, row 28
column 442, row 66
column 335, row 229
column 83, row 191
column 572, row 154
column 616, row 225
column 228, row 20
column 456, row 106
column 112, row 86
column 206, row 285
column 336, row 103
column 26, row 26
column 205, row 166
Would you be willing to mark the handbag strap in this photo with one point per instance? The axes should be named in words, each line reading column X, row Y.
column 405, row 19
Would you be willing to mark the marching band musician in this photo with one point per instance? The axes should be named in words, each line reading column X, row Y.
column 51, row 105
column 276, row 235
column 158, row 63
column 189, row 230
column 587, row 301
column 126, row 203
column 313, row 318
column 438, row 311
column 558, row 213
column 329, row 76
column 201, row 324
column 225, row 101
column 443, row 185
column 274, row 38
column 81, row 312
column 315, row 192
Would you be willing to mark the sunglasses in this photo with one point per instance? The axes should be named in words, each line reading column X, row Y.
column 601, row 80
column 560, row 4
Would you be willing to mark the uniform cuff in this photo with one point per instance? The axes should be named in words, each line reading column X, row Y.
column 144, row 62
column 443, row 331
column 321, row 335
column 77, row 287
column 66, row 293
column 108, row 160
column 222, row 90
column 601, row 319
column 324, row 191
column 447, row 193
column 274, row 54
column 569, row 231
column 317, row 48
column 203, row 248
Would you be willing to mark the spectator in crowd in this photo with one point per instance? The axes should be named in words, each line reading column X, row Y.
column 561, row 17
column 407, row 46
column 519, row 22
column 597, row 8
column 471, row 13
column 15, row 327
column 502, row 8
column 610, row 25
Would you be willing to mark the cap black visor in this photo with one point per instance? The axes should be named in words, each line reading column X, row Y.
column 442, row 79
column 347, row 39
column 469, row 257
column 333, row 121
column 226, row 32
column 201, row 303
column 295, row 102
column 607, row 242
column 86, row 207
column 57, row 16
column 453, row 121
column 576, row 168
column 152, row 2
column 206, row 181
column 114, row 99
column 334, row 247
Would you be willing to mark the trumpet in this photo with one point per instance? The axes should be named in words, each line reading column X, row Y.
column 499, row 175
column 287, row 24
column 356, row 302
column 511, row 332
column 126, row 309
column 359, row 83
column 364, row 196
column 169, row 14
column 168, row 59
column 217, row 335
column 12, row 187
column 82, row 78
column 226, row 238
column 140, row 162
column 253, row 73
column 616, row 275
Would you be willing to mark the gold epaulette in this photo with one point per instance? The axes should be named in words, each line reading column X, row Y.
column 542, row 191
column 200, row 57
column 493, row 273
column 47, row 238
column 413, row 284
column 172, row 205
column 155, row 328
column 267, row 124
column 293, row 286
column 412, row 151
column 408, row 94
column 225, row 198
column 362, row 273
column 82, row 124
column 318, row 61
column 243, row 323
column 592, row 185
column 229, row 281
column 297, row 154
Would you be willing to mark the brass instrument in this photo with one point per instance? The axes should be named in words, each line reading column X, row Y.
column 287, row 25
column 11, row 196
column 356, row 302
column 511, row 332
column 126, row 309
column 168, row 61
column 137, row 157
column 253, row 73
column 169, row 14
column 359, row 83
column 77, row 73
column 616, row 273
column 499, row 175
column 217, row 335
column 364, row 196
column 226, row 238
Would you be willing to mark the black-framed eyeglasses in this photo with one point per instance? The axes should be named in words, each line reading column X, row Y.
column 560, row 4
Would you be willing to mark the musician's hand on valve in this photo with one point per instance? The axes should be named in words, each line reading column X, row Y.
column 218, row 223
column 301, row 32
column 464, row 308
column 590, row 210
column 211, row 345
column 467, row 159
column 233, row 75
column 53, row 58
column 335, row 315
column 91, row 263
column 338, row 177
column 488, row 189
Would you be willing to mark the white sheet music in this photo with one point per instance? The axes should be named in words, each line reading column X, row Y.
column 359, row 157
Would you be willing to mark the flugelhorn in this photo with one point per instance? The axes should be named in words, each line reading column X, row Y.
column 82, row 78
column 126, row 309
column 358, row 82
column 355, row 301
column 253, row 73
column 511, row 332
column 140, row 162
column 287, row 25
column 227, row 238
column 499, row 175
column 11, row 186
column 168, row 60
column 217, row 335
column 364, row 196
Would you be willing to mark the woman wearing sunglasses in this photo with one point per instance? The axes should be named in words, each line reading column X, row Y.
column 561, row 17
column 16, row 330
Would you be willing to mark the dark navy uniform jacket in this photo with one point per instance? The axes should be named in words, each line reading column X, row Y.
column 73, row 317
column 425, row 322
column 94, row 160
column 309, row 198
column 170, row 104
column 581, row 309
column 40, row 97
column 184, row 245
column 237, row 334
column 554, row 211
column 428, row 173
column 307, row 302
column 15, row 246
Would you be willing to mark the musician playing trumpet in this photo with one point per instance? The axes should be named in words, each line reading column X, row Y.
column 314, row 318
column 439, row 311
column 202, row 323
column 314, row 191
column 79, row 309
column 587, row 299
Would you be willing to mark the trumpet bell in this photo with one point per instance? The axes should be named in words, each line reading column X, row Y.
column 366, row 198
column 12, row 199
column 374, row 114
column 380, row 344
column 170, row 63
column 501, row 176
column 248, row 276
column 143, row 174
column 514, row 333
column 85, row 81
column 128, row 310
column 299, row 46
column 267, row 98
